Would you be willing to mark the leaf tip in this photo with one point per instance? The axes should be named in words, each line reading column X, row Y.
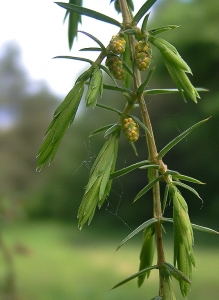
column 118, row 248
column 38, row 169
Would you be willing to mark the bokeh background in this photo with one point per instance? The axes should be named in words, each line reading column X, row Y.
column 43, row 255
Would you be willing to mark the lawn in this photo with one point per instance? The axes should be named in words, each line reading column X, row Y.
column 55, row 261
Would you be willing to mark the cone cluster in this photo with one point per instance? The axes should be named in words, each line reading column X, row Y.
column 117, row 44
column 147, row 253
column 115, row 66
column 176, row 67
column 183, row 240
column 130, row 129
column 99, row 184
column 143, row 55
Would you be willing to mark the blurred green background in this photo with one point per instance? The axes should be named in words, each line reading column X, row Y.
column 53, row 260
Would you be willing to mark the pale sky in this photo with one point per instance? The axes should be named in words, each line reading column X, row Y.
column 37, row 26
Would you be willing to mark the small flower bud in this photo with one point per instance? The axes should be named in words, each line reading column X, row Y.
column 130, row 129
column 143, row 61
column 143, row 46
column 115, row 66
column 117, row 44
column 143, row 55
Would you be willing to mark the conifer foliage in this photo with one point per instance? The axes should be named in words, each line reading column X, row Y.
column 127, row 59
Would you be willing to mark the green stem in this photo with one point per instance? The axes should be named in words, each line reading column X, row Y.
column 151, row 145
column 125, row 12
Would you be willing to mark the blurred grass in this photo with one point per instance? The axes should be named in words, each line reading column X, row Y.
column 56, row 261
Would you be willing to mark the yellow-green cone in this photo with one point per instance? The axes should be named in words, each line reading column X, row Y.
column 143, row 61
column 143, row 55
column 115, row 66
column 117, row 44
column 130, row 129
column 143, row 46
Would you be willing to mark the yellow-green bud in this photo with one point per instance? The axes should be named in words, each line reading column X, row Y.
column 115, row 66
column 143, row 46
column 117, row 44
column 143, row 61
column 143, row 55
column 130, row 129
